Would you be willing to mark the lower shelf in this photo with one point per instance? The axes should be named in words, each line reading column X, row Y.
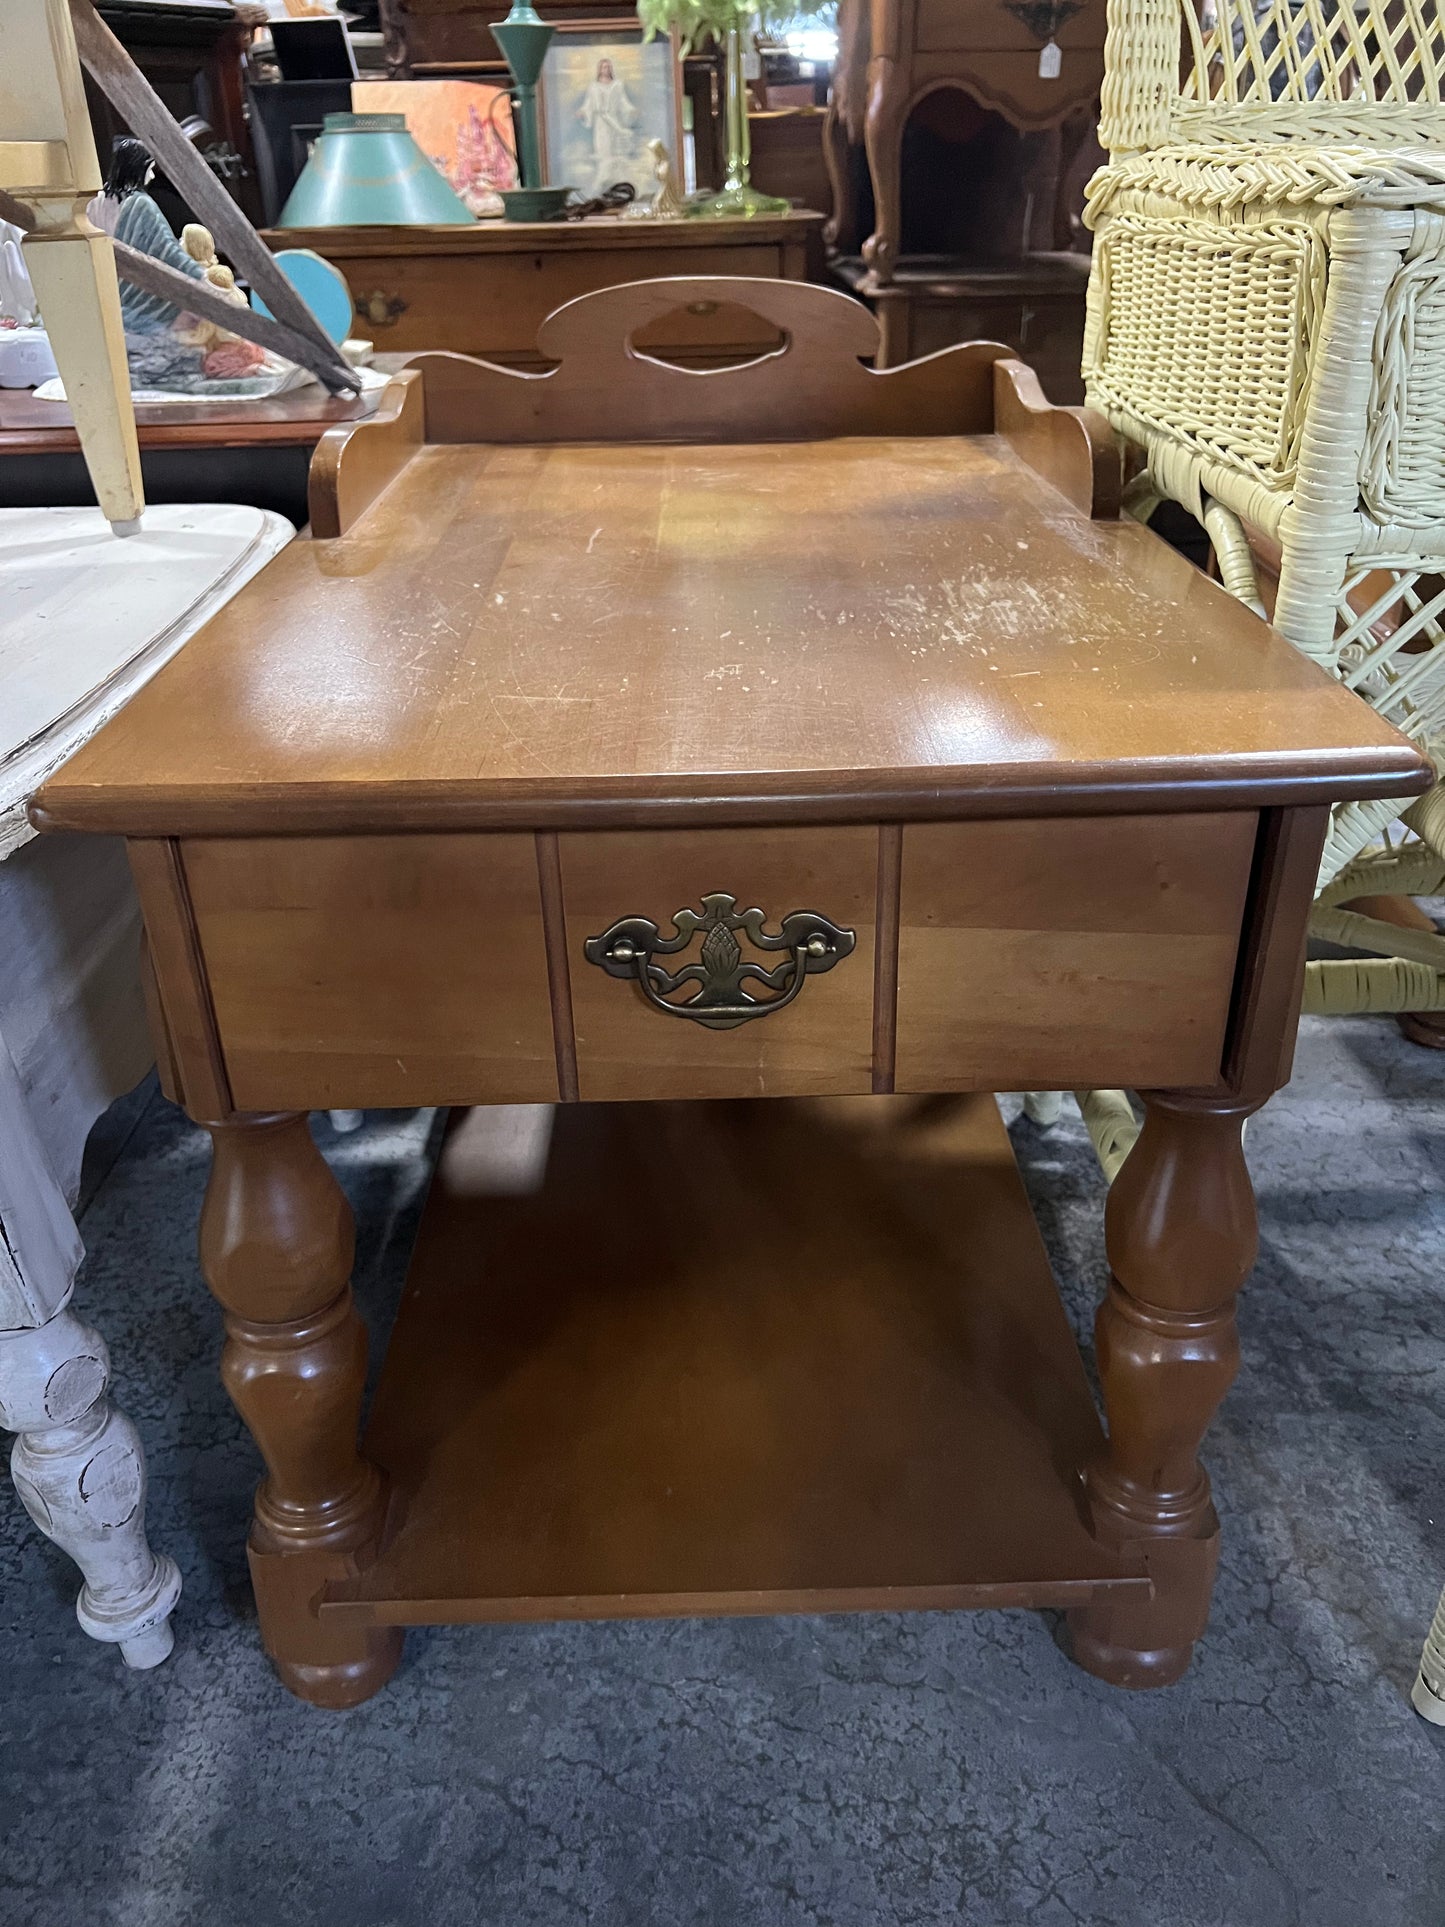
column 734, row 1358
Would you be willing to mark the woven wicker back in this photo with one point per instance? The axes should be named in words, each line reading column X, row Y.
column 1272, row 70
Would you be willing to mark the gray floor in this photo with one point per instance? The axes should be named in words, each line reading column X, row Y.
column 869, row 1772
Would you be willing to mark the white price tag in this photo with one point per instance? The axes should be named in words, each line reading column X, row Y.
column 1050, row 61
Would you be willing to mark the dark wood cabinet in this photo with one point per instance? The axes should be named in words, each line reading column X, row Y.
column 191, row 52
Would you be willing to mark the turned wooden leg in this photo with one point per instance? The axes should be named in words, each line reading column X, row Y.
column 883, row 137
column 276, row 1248
column 1181, row 1237
column 80, row 1473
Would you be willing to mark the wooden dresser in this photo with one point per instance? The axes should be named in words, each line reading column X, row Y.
column 486, row 290
column 812, row 741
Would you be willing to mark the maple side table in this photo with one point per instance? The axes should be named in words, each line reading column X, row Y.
column 810, row 740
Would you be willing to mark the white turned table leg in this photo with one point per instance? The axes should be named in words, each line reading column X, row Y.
column 1427, row 1696
column 80, row 1473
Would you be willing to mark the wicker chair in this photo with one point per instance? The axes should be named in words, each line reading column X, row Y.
column 1267, row 323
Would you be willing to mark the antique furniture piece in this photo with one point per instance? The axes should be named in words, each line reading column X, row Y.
column 787, row 160
column 192, row 52
column 1035, row 305
column 87, row 619
column 257, row 452
column 974, row 182
column 1269, row 278
column 790, row 731
column 1036, row 63
column 486, row 289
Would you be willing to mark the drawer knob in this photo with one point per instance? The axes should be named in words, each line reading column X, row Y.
column 632, row 945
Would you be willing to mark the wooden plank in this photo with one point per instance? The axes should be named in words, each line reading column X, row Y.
column 376, row 970
column 823, row 1042
column 732, row 1359
column 1096, row 953
column 540, row 638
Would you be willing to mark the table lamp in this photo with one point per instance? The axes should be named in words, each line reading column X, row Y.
column 524, row 38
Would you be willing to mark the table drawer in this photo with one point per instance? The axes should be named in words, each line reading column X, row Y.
column 415, row 969
column 375, row 970
column 822, row 1042
column 1054, row 955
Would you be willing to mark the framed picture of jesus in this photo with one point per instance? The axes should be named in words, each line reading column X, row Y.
column 604, row 94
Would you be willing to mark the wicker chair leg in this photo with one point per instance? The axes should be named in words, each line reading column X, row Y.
column 1113, row 1127
column 1043, row 1107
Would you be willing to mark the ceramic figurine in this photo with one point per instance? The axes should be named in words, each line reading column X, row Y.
column 166, row 348
column 666, row 204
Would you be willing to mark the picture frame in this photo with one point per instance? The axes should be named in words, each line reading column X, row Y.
column 595, row 124
column 464, row 127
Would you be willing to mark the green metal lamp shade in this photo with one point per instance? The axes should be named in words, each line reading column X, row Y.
column 367, row 171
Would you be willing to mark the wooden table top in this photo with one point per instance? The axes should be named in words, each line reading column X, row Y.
column 299, row 419
column 830, row 630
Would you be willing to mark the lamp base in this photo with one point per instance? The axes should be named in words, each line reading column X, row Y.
column 735, row 204
column 534, row 203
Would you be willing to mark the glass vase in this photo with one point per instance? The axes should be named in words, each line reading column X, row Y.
column 738, row 199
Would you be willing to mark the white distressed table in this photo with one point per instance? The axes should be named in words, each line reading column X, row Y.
column 88, row 618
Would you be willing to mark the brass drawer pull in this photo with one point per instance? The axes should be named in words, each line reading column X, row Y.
column 381, row 310
column 629, row 947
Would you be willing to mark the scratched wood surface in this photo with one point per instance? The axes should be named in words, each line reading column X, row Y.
column 559, row 635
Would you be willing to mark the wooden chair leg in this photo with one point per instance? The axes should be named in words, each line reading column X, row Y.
column 73, row 273
column 1181, row 1234
column 276, row 1248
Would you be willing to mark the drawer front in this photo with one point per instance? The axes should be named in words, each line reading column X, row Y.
column 822, row 1042
column 375, row 970
column 1098, row 951
column 493, row 304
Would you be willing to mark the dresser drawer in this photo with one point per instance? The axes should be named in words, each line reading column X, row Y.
column 822, row 1042
column 375, row 970
column 1055, row 955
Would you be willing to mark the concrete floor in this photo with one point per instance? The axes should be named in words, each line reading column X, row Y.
column 863, row 1772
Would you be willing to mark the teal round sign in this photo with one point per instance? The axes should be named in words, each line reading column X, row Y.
column 322, row 287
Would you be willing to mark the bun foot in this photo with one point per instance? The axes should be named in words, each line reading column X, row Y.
column 1123, row 1665
column 345, row 1682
